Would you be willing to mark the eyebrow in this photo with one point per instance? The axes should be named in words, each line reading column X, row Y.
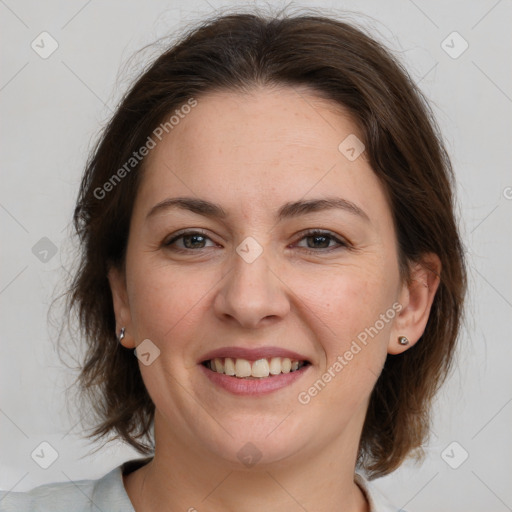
column 288, row 210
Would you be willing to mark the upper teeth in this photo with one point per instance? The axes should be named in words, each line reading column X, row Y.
column 261, row 368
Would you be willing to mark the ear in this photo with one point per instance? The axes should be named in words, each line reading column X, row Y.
column 416, row 298
column 121, row 305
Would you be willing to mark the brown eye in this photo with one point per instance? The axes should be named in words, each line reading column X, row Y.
column 318, row 240
column 190, row 240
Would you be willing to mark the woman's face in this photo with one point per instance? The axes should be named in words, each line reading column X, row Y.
column 253, row 284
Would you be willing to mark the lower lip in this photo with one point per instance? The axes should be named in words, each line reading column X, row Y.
column 253, row 387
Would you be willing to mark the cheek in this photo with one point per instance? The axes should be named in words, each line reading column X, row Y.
column 351, row 316
column 167, row 306
column 164, row 300
column 348, row 300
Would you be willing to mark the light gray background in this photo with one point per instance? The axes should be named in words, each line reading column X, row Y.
column 52, row 110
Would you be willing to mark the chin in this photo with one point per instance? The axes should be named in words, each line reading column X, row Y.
column 261, row 447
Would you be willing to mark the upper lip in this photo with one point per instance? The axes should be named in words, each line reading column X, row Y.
column 252, row 354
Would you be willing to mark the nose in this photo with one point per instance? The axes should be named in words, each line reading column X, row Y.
column 252, row 294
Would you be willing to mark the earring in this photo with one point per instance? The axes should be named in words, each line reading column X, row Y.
column 403, row 340
column 121, row 335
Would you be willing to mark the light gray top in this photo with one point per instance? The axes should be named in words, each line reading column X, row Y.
column 107, row 494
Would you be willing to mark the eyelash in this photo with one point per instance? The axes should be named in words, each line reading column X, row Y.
column 310, row 233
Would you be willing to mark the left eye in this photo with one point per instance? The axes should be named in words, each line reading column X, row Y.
column 322, row 240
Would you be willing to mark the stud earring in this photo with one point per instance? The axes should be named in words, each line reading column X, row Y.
column 403, row 340
column 121, row 335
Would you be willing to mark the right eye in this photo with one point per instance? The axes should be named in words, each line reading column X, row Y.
column 191, row 240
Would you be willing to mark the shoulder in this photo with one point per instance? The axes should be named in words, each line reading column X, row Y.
column 378, row 502
column 105, row 493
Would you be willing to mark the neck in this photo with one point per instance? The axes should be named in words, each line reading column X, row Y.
column 320, row 481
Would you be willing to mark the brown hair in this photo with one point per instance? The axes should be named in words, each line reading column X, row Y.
column 336, row 61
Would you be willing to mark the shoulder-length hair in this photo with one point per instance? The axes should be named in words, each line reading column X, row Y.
column 338, row 62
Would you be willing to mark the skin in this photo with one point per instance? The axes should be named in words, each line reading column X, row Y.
column 250, row 153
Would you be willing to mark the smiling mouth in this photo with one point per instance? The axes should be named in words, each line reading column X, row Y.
column 259, row 369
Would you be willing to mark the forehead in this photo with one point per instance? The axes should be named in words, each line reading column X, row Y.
column 254, row 148
column 274, row 117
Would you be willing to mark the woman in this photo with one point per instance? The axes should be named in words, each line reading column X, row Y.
column 267, row 223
